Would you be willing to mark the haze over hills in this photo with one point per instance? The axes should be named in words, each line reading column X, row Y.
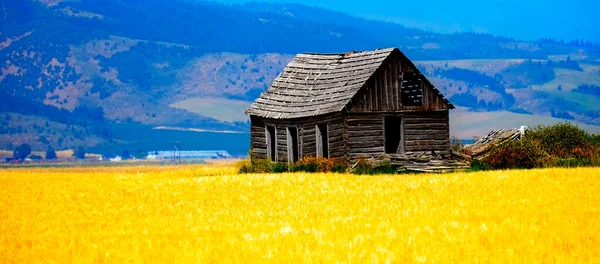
column 76, row 72
column 527, row 20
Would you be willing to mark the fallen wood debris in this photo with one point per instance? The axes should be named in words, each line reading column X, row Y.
column 481, row 148
column 427, row 162
column 418, row 161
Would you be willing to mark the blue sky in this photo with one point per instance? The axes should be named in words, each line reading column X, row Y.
column 522, row 19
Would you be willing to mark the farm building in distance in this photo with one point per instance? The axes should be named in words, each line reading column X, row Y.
column 189, row 155
column 358, row 104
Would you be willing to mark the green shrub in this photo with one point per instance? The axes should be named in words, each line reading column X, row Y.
column 575, row 162
column 478, row 165
column 385, row 167
column 340, row 167
column 560, row 145
column 563, row 140
column 595, row 138
column 245, row 166
column 382, row 165
column 279, row 167
column 262, row 165
column 306, row 164
column 255, row 165
column 514, row 155
column 319, row 164
column 363, row 167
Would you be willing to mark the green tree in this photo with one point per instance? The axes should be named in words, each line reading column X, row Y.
column 22, row 151
column 79, row 153
column 50, row 153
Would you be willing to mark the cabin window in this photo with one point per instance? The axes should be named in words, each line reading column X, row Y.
column 292, row 144
column 271, row 143
column 322, row 141
column 394, row 134
column 412, row 90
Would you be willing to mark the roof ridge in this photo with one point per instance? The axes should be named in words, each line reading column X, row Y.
column 346, row 53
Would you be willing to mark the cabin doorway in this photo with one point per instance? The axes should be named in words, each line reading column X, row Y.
column 271, row 143
column 394, row 134
column 322, row 141
column 292, row 144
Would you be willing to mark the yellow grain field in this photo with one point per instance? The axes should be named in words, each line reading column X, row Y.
column 210, row 214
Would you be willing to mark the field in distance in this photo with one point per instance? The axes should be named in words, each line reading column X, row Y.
column 212, row 214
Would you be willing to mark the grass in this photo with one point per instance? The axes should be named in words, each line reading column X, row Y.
column 218, row 108
column 587, row 102
column 211, row 214
column 571, row 79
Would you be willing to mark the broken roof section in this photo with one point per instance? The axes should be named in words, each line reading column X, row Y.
column 480, row 149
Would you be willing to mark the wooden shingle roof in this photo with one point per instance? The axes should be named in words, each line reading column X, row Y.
column 317, row 84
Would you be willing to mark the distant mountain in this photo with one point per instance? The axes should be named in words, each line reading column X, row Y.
column 81, row 66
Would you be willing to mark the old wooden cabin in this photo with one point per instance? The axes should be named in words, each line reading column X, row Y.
column 358, row 104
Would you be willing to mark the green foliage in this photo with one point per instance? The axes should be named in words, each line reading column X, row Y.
column 255, row 165
column 478, row 165
column 563, row 140
column 595, row 138
column 319, row 164
column 306, row 164
column 279, row 167
column 577, row 162
column 339, row 167
column 527, row 73
column 515, row 155
column 365, row 166
column 22, row 151
column 560, row 145
column 79, row 153
column 305, row 167
column 50, row 153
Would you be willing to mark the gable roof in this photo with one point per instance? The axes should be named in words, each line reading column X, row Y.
column 316, row 84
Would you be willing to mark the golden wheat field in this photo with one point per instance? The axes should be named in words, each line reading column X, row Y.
column 210, row 214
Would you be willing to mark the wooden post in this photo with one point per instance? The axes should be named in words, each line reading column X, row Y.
column 401, row 144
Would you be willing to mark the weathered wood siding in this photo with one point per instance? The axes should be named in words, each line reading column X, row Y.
column 258, row 137
column 424, row 131
column 427, row 131
column 396, row 86
column 365, row 135
column 306, row 135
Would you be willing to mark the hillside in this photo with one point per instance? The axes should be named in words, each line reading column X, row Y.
column 196, row 64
